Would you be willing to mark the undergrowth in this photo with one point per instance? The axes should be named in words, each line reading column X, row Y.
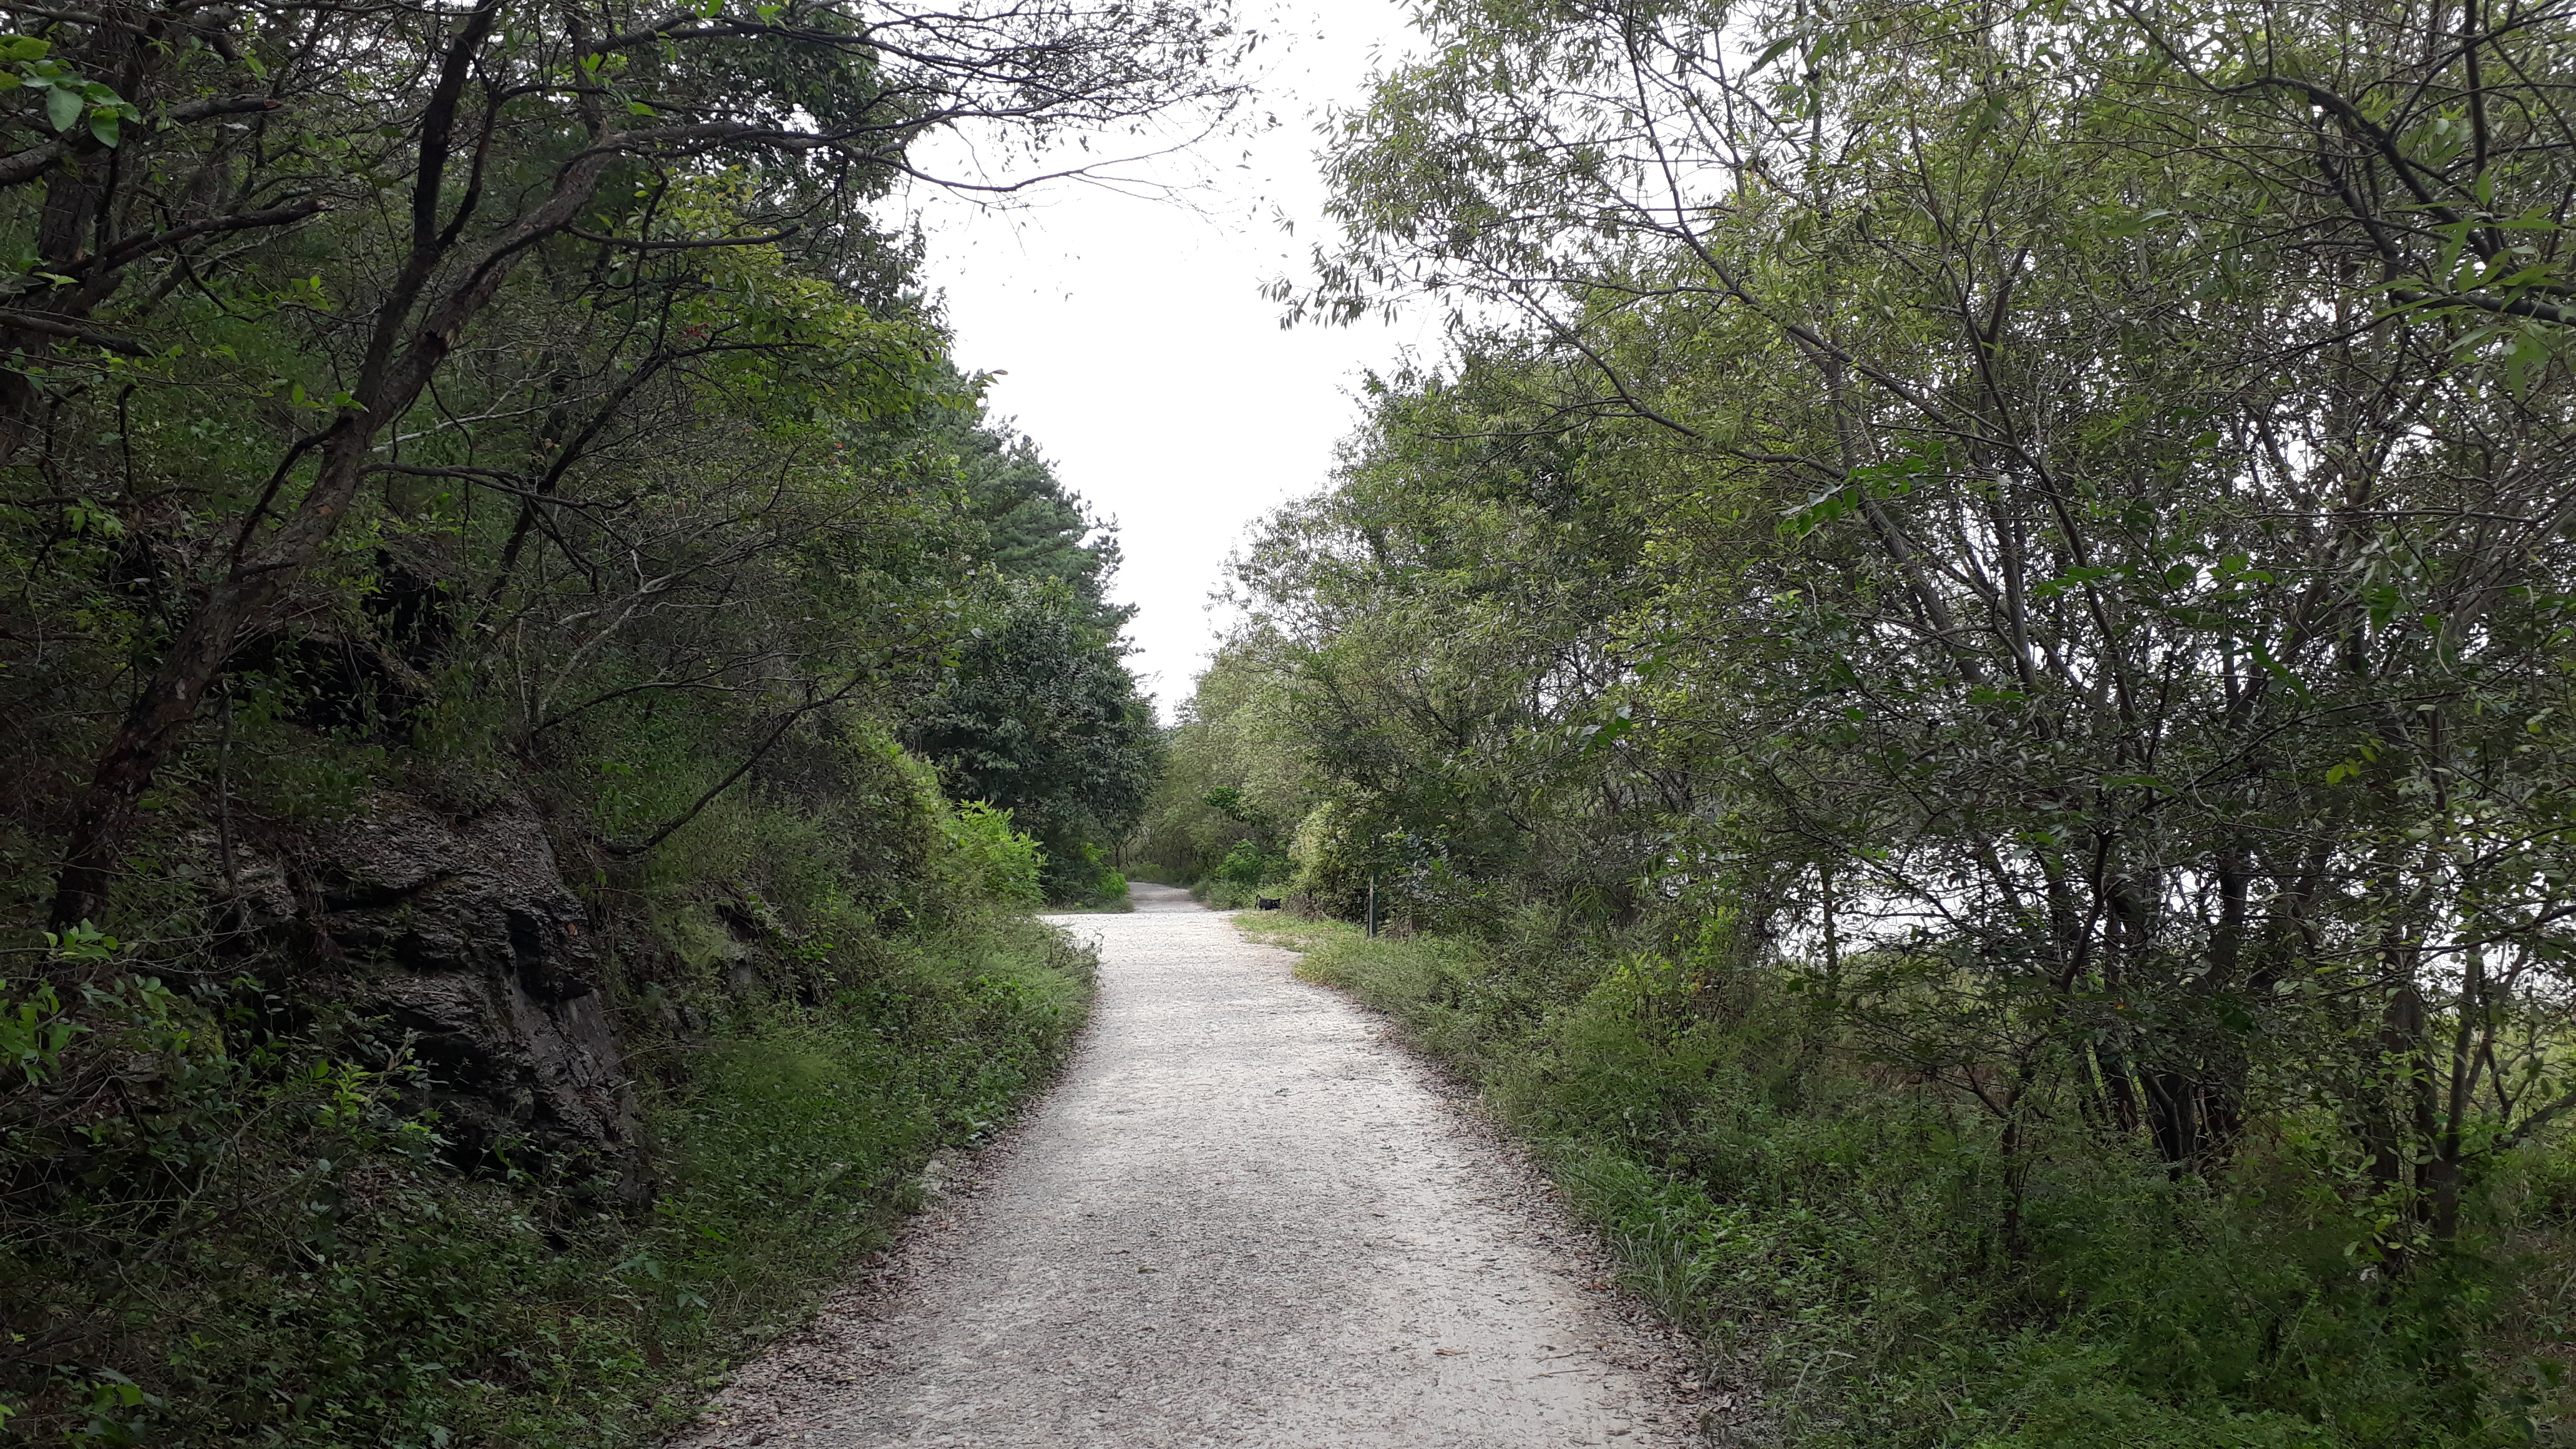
column 231, row 1215
column 1837, row 1234
column 1220, row 894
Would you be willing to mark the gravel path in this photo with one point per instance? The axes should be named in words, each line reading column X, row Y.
column 1241, row 1219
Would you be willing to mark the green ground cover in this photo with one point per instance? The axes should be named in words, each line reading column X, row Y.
column 1836, row 1236
column 273, row 1243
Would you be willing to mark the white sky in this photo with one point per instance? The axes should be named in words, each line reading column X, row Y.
column 1143, row 359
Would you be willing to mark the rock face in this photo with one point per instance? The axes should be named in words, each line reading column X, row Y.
column 462, row 934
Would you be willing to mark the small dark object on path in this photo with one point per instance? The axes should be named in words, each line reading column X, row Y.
column 1266, row 903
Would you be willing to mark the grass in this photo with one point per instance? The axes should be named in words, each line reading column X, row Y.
column 1831, row 1232
column 361, row 1293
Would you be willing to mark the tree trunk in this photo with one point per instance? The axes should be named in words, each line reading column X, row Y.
column 134, row 755
column 259, row 576
column 2173, row 1115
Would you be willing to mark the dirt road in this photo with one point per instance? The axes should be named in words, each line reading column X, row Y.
column 1242, row 1219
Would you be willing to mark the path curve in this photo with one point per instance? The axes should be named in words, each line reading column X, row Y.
column 1242, row 1219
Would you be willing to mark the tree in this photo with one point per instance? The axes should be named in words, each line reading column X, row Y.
column 383, row 187
column 1234, row 771
column 2108, row 469
column 1035, row 528
column 1042, row 719
column 1041, row 715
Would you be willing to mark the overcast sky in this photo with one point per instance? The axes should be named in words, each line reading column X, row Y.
column 1141, row 355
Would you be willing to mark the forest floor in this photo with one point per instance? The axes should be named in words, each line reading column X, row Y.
column 1244, row 1217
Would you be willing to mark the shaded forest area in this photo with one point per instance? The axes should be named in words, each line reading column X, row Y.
column 537, row 700
column 1960, row 688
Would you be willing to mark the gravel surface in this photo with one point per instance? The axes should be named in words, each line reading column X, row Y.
column 1242, row 1218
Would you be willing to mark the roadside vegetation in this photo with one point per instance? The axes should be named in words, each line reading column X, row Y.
column 539, row 704
column 1830, row 1232
column 1957, row 689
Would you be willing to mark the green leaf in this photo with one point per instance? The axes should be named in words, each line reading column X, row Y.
column 1599, row 737
column 103, row 124
column 1817, row 511
column 1775, row 50
column 1986, row 113
column 2277, row 669
column 2383, row 600
column 2073, row 578
column 62, row 107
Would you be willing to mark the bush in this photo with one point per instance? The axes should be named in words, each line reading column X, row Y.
column 1081, row 878
column 1245, row 874
column 1248, row 865
column 255, row 1234
column 1220, row 894
column 1846, row 1229
column 996, row 860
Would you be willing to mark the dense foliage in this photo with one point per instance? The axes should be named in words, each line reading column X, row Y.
column 511, row 430
column 1979, row 624
column 1040, row 716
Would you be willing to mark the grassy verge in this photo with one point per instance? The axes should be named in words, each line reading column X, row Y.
column 796, row 1140
column 1838, row 1232
column 335, row 1283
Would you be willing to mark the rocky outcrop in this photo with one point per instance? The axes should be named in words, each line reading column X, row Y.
column 461, row 934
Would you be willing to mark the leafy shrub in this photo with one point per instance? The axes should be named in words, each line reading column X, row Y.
column 1248, row 865
column 1081, row 877
column 251, row 1233
column 1245, row 874
column 1846, row 1229
column 999, row 861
